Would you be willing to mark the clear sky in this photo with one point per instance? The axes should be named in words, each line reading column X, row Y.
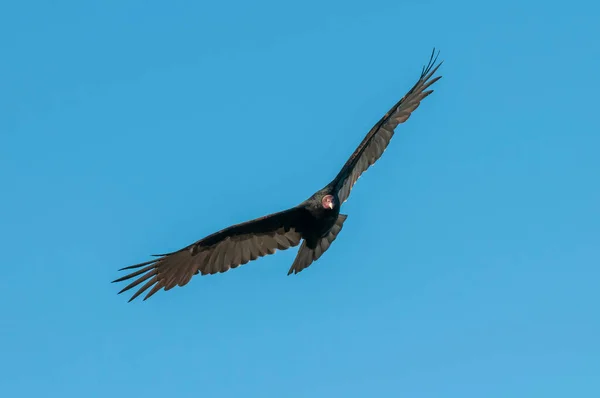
column 468, row 266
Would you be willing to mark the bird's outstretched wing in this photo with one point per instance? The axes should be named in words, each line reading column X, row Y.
column 376, row 141
column 228, row 248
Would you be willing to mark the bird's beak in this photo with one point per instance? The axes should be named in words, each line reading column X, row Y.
column 330, row 205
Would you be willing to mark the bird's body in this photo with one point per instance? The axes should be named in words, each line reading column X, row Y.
column 319, row 220
column 316, row 222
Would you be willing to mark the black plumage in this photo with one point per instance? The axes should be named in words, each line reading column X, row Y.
column 316, row 221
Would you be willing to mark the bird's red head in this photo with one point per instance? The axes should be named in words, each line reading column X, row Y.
column 328, row 201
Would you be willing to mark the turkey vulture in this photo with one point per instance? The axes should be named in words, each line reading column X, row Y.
column 316, row 222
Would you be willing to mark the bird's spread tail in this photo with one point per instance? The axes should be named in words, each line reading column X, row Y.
column 306, row 256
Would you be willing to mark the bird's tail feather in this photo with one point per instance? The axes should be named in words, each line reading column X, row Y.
column 306, row 255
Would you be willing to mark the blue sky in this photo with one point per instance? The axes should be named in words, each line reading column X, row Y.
column 469, row 264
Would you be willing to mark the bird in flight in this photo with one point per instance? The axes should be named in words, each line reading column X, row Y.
column 316, row 222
